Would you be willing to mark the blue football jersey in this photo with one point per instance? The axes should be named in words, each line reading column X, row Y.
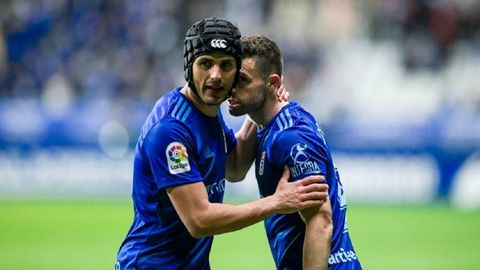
column 178, row 145
column 293, row 138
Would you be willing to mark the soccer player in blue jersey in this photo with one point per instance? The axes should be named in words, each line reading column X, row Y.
column 315, row 237
column 181, row 158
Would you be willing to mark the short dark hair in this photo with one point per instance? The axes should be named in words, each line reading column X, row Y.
column 266, row 53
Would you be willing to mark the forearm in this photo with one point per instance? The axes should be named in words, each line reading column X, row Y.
column 318, row 234
column 222, row 218
column 289, row 197
column 203, row 218
column 240, row 160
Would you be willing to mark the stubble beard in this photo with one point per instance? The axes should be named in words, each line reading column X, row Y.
column 214, row 101
column 250, row 107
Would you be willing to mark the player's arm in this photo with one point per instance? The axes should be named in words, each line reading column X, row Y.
column 240, row 159
column 203, row 218
column 293, row 147
column 318, row 235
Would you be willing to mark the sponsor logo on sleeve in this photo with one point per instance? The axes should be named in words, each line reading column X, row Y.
column 177, row 158
column 297, row 153
column 302, row 164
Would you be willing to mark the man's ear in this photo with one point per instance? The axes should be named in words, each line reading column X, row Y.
column 274, row 80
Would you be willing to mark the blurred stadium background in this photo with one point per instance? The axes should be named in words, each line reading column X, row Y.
column 395, row 85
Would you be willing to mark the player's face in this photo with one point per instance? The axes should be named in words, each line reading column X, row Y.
column 213, row 76
column 250, row 92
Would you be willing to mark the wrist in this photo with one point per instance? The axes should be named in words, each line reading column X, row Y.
column 271, row 204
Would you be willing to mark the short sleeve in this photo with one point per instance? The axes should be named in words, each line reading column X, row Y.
column 302, row 150
column 169, row 148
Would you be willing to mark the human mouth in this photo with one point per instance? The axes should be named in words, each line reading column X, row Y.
column 215, row 87
column 232, row 102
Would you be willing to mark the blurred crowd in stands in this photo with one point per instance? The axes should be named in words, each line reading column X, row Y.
column 428, row 31
column 370, row 64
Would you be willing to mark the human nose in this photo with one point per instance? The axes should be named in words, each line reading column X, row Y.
column 216, row 72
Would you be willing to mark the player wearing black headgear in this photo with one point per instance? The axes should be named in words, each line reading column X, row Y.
column 211, row 35
column 183, row 156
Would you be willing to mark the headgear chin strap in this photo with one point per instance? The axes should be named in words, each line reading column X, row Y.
column 211, row 35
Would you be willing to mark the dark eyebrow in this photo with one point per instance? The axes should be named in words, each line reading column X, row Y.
column 221, row 58
column 228, row 61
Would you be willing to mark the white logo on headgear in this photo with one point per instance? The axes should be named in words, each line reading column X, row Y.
column 218, row 43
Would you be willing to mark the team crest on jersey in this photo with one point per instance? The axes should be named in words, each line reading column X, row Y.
column 177, row 158
column 262, row 163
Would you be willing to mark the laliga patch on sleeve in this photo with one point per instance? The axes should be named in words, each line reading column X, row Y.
column 177, row 158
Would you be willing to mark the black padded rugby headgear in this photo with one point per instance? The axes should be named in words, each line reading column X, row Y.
column 211, row 35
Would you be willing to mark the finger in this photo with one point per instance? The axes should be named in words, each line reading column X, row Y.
column 312, row 179
column 315, row 196
column 280, row 91
column 316, row 187
column 281, row 94
column 285, row 95
column 312, row 203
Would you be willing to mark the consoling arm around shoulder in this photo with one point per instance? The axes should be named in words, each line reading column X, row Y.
column 203, row 218
column 240, row 159
column 318, row 235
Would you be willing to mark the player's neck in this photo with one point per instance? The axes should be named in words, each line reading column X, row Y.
column 267, row 112
column 208, row 110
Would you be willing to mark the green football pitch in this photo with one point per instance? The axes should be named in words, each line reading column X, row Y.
column 83, row 234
